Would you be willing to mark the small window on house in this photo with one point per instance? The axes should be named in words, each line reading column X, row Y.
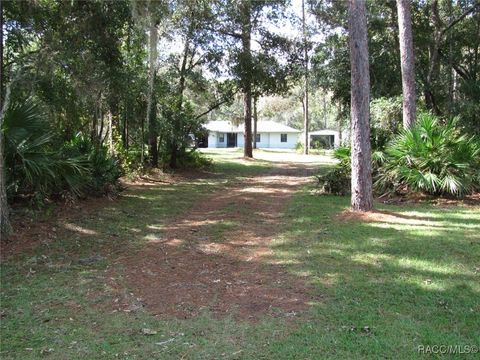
column 283, row 137
column 257, row 138
column 221, row 138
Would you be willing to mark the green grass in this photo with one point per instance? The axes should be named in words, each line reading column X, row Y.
column 385, row 287
column 410, row 284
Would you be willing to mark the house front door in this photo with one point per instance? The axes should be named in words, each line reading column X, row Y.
column 231, row 139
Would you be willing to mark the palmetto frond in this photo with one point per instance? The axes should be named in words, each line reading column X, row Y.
column 431, row 157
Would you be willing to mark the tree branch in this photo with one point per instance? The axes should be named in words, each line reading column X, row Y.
column 216, row 106
column 461, row 71
column 460, row 18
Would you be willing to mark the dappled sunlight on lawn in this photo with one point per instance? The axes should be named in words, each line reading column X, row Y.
column 248, row 240
column 420, row 260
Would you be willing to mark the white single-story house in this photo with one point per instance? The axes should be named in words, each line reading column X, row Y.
column 270, row 134
column 330, row 137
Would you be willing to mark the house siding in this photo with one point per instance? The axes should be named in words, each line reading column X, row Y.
column 264, row 140
column 213, row 140
column 267, row 140
column 240, row 140
column 275, row 141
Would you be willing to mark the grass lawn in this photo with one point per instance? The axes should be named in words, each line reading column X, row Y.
column 407, row 277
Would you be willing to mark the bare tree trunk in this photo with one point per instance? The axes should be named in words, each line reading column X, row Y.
column 142, row 142
column 181, row 89
column 440, row 29
column 5, row 227
column 153, row 133
column 362, row 198
column 407, row 62
column 255, row 120
column 125, row 124
column 306, row 123
column 100, row 134
column 247, row 113
column 110, row 133
column 152, row 59
column 247, row 76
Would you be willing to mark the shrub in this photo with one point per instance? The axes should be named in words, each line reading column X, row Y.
column 336, row 181
column 385, row 120
column 342, row 154
column 128, row 160
column 386, row 113
column 39, row 166
column 103, row 169
column 299, row 147
column 195, row 159
column 431, row 157
column 34, row 168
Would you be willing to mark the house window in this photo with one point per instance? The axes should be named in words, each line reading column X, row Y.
column 283, row 137
column 221, row 138
column 257, row 138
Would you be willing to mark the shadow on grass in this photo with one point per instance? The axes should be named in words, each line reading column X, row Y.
column 386, row 287
column 52, row 304
column 389, row 287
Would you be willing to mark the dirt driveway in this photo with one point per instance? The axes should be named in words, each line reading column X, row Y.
column 217, row 257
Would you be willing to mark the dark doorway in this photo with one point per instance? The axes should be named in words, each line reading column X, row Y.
column 231, row 139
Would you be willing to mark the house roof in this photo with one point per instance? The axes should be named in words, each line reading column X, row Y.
column 324, row 132
column 223, row 126
column 262, row 127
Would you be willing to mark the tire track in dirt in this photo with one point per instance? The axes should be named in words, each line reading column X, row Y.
column 217, row 256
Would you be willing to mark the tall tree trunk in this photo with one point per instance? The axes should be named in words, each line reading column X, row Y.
column 181, row 89
column 152, row 60
column 110, row 133
column 433, row 61
column 306, row 122
column 247, row 76
column 362, row 198
column 100, row 134
column 407, row 62
column 153, row 132
column 434, row 52
column 125, row 123
column 142, row 142
column 247, row 114
column 451, row 71
column 255, row 120
column 126, row 99
column 5, row 227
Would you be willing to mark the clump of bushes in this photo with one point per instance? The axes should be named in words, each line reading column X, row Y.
column 195, row 159
column 432, row 157
column 103, row 170
column 299, row 147
column 39, row 165
column 337, row 180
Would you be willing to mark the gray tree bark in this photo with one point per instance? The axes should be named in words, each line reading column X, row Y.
column 152, row 61
column 306, row 122
column 247, row 76
column 255, row 120
column 5, row 227
column 407, row 62
column 362, row 198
